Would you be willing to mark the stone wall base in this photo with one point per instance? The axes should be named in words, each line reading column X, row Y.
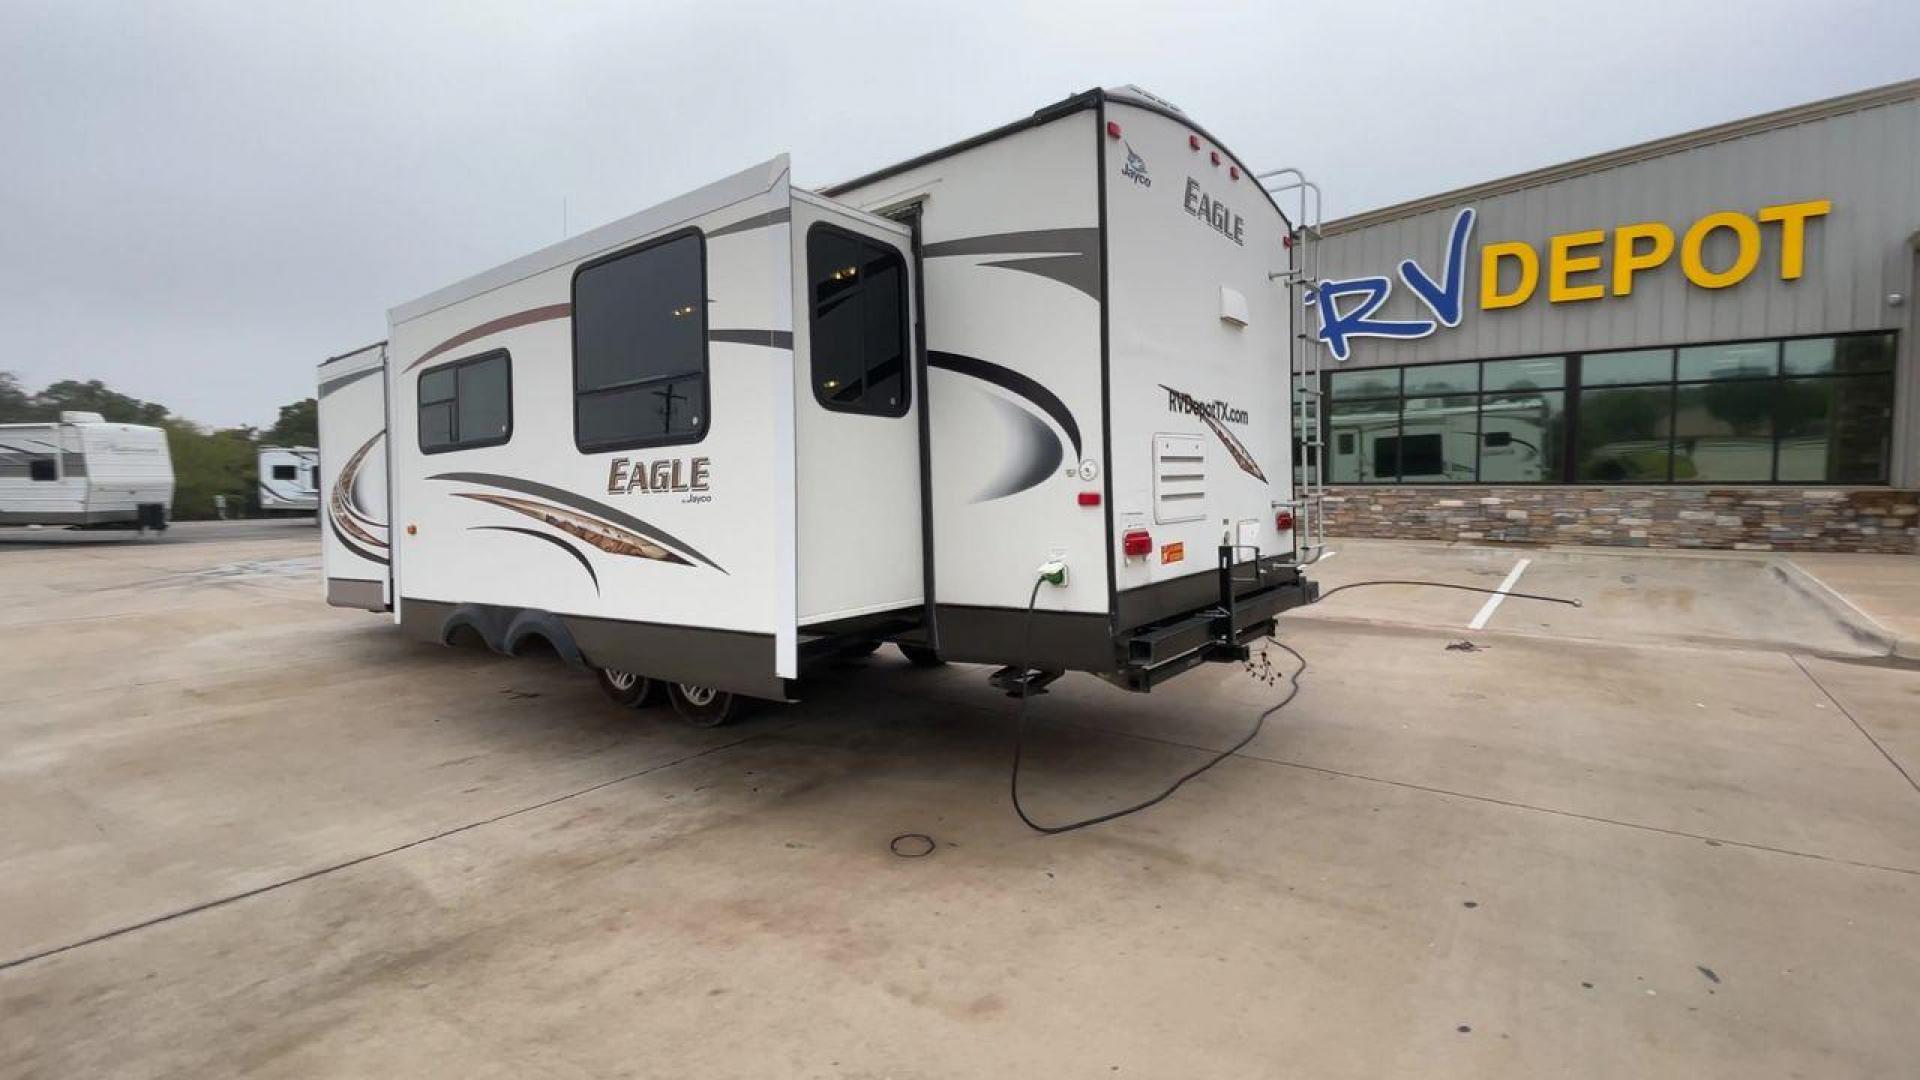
column 1883, row 520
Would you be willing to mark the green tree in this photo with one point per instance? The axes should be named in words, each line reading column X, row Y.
column 15, row 403
column 299, row 425
column 208, row 463
column 95, row 396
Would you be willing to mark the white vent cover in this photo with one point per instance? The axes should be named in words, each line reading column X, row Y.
column 1179, row 478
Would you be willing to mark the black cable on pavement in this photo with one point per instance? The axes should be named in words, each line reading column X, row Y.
column 1259, row 722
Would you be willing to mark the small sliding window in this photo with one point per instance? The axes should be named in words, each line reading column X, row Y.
column 858, row 326
column 466, row 403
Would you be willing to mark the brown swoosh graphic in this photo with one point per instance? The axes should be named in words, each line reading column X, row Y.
column 495, row 326
column 603, row 535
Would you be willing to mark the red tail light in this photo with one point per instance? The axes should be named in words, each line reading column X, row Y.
column 1283, row 520
column 1137, row 543
column 1113, row 130
column 1089, row 498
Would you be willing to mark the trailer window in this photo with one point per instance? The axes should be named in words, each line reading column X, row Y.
column 640, row 346
column 283, row 472
column 858, row 326
column 41, row 469
column 464, row 404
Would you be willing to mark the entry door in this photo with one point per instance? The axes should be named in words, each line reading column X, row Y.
column 857, row 431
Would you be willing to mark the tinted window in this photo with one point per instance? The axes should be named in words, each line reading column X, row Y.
column 1520, row 437
column 464, row 404
column 1625, row 435
column 283, row 472
column 1439, row 439
column 640, row 346
column 1527, row 373
column 858, row 327
column 1639, row 366
column 1381, row 382
column 1835, row 431
column 1846, row 356
column 1748, row 360
column 41, row 469
column 1443, row 379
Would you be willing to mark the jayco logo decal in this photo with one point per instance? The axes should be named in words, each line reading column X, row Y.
column 1136, row 168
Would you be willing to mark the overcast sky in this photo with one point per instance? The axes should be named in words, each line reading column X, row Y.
column 201, row 201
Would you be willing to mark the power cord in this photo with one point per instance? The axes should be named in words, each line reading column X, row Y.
column 1259, row 722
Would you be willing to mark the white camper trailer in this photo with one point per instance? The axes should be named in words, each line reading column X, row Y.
column 757, row 425
column 83, row 471
column 289, row 478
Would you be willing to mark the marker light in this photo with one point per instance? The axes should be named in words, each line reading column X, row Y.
column 1233, row 171
column 1283, row 519
column 1215, row 155
column 1113, row 130
column 1137, row 543
column 1193, row 142
column 1089, row 498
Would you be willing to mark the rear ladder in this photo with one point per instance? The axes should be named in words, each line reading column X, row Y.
column 1304, row 359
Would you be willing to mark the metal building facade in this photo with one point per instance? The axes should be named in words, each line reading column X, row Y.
column 1860, row 154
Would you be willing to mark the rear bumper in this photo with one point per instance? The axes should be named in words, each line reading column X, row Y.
column 1220, row 631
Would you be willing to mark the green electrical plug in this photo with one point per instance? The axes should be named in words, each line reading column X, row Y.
column 1053, row 572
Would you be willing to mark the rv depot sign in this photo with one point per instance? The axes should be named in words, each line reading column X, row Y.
column 1591, row 264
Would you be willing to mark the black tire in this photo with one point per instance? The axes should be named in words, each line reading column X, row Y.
column 858, row 649
column 919, row 655
column 704, row 706
column 626, row 688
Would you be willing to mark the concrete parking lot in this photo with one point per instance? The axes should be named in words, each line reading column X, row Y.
column 1674, row 832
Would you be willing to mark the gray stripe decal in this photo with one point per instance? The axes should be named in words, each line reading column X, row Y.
column 758, row 221
column 568, row 498
column 772, row 339
column 1052, row 241
column 73, row 464
column 1069, row 256
column 329, row 387
column 1075, row 271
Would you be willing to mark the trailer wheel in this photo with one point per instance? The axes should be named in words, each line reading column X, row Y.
column 703, row 706
column 626, row 688
column 919, row 655
column 858, row 649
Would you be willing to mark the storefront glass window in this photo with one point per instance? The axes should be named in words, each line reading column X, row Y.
column 1618, row 368
column 1369, row 382
column 1835, row 431
column 1796, row 411
column 1747, row 360
column 1522, row 437
column 1848, row 355
column 1526, row 373
column 1442, row 379
column 1361, row 437
column 1625, row 435
column 1723, row 432
column 1438, row 437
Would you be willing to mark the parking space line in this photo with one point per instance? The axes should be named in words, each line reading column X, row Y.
column 1493, row 602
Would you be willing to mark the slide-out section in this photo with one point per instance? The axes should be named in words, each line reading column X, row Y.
column 354, row 505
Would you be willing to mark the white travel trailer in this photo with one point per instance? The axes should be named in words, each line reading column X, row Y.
column 1023, row 401
column 289, row 478
column 83, row 471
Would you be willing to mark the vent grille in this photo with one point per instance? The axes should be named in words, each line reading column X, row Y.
column 1179, row 478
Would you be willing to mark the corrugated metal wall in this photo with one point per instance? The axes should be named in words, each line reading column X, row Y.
column 1867, row 162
